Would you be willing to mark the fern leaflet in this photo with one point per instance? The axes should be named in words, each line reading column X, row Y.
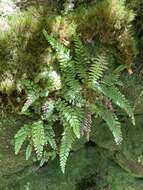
column 81, row 58
column 97, row 69
column 38, row 137
column 119, row 99
column 50, row 136
column 28, row 151
column 20, row 137
column 66, row 145
column 112, row 122
column 70, row 117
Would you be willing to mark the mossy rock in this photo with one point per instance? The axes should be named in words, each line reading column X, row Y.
column 88, row 168
column 23, row 56
column 22, row 44
column 10, row 164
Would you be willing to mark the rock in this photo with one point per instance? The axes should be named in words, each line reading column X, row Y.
column 90, row 168
column 10, row 164
column 133, row 167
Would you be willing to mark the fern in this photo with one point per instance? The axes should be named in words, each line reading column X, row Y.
column 32, row 92
column 20, row 137
column 119, row 99
column 112, row 79
column 63, row 53
column 30, row 100
column 70, row 117
column 50, row 136
column 86, row 126
column 46, row 156
column 66, row 145
column 38, row 137
column 88, row 88
column 81, row 58
column 73, row 95
column 97, row 70
column 35, row 134
column 68, row 69
column 28, row 151
column 112, row 122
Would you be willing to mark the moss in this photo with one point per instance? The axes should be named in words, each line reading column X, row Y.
column 88, row 168
column 9, row 163
column 22, row 46
column 24, row 53
column 109, row 23
column 92, row 167
column 23, row 49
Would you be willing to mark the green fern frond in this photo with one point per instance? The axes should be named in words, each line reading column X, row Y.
column 67, row 65
column 38, row 137
column 46, row 156
column 50, row 136
column 70, row 117
column 63, row 53
column 111, row 79
column 20, row 137
column 73, row 94
column 112, row 122
column 97, row 69
column 66, row 145
column 81, row 58
column 31, row 98
column 119, row 99
column 80, row 50
column 29, row 86
column 32, row 91
column 28, row 151
column 86, row 125
column 84, row 82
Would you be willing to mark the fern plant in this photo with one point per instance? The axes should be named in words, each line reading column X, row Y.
column 89, row 87
column 37, row 138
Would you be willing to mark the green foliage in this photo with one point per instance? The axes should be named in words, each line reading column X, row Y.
column 50, row 137
column 23, row 50
column 66, row 145
column 21, row 137
column 112, row 121
column 81, row 58
column 65, row 83
column 70, row 117
column 137, row 6
column 89, row 87
column 37, row 137
column 28, row 151
column 119, row 99
column 32, row 95
column 97, row 69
